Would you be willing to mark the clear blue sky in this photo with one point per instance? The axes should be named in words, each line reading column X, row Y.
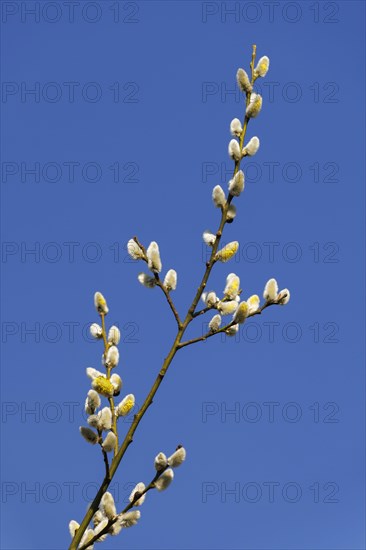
column 127, row 131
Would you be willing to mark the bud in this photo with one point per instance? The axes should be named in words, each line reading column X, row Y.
column 100, row 303
column 73, row 527
column 115, row 529
column 270, row 290
column 98, row 517
column 236, row 185
column 109, row 443
column 116, row 381
column 105, row 419
column 99, row 527
column 164, row 480
column 108, row 506
column 96, row 330
column 170, row 281
column 146, row 280
column 232, row 286
column 234, row 150
column 93, row 373
column 243, row 81
column 215, row 323
column 103, row 386
column 153, row 257
column 160, row 462
column 255, row 105
column 140, row 487
column 134, row 250
column 283, row 297
column 128, row 519
column 209, row 298
column 92, row 402
column 93, row 421
column 87, row 536
column 253, row 304
column 231, row 213
column 177, row 458
column 251, row 147
column 88, row 435
column 231, row 331
column 226, row 253
column 241, row 313
column 114, row 335
column 262, row 67
column 235, row 127
column 125, row 405
column 218, row 196
column 209, row 238
column 227, row 308
column 112, row 357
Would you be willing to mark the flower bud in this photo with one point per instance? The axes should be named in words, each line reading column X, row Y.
column 234, row 150
column 255, row 106
column 93, row 373
column 116, row 381
column 231, row 331
column 98, row 517
column 92, row 402
column 215, row 323
column 109, row 443
column 88, row 435
column 253, row 304
column 236, row 185
column 101, row 525
column 73, row 527
column 153, row 257
column 227, row 252
column 209, row 238
column 100, row 303
column 93, row 420
column 146, row 280
column 128, row 519
column 87, row 536
column 262, row 67
column 96, row 330
column 164, row 480
column 283, row 297
column 231, row 213
column 160, row 462
column 218, row 196
column 209, row 298
column 140, row 487
column 125, row 405
column 112, row 357
column 114, row 335
column 251, row 147
column 177, row 458
column 227, row 308
column 170, row 281
column 134, row 250
column 108, row 506
column 235, row 127
column 243, row 81
column 270, row 290
column 232, row 286
column 241, row 313
column 105, row 419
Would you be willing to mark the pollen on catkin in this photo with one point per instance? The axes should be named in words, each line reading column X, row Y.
column 232, row 286
column 243, row 81
column 208, row 238
column 241, row 313
column 251, row 147
column 262, row 67
column 134, row 250
column 218, row 196
column 226, row 253
column 114, row 335
column 146, row 280
column 125, row 405
column 139, row 488
column 255, row 106
column 253, row 304
column 88, row 435
column 170, row 281
column 100, row 303
column 164, row 480
column 109, row 443
column 236, row 185
column 234, row 150
column 235, row 127
column 96, row 330
column 103, row 386
column 227, row 308
column 108, row 506
column 283, row 297
column 270, row 290
column 153, row 257
column 215, row 323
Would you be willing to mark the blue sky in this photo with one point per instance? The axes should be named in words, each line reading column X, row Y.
column 126, row 132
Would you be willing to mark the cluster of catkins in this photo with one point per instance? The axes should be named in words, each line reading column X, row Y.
column 106, row 385
column 107, row 517
column 152, row 257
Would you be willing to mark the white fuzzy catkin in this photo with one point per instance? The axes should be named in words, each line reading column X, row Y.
column 115, row 529
column 92, row 402
column 170, row 281
column 93, row 373
column 251, row 147
column 283, row 297
column 236, row 185
column 160, row 462
column 134, row 250
column 208, row 238
column 105, row 419
column 234, row 150
column 108, row 506
column 101, row 525
column 232, row 286
column 243, row 81
column 93, row 420
column 96, row 330
column 98, row 517
column 153, row 257
column 116, row 381
column 241, row 313
column 164, row 480
column 226, row 253
column 270, row 290
column 87, row 536
column 210, row 298
column 235, row 127
column 255, row 106
column 177, row 458
column 112, row 357
column 146, row 280
column 125, row 406
column 227, row 308
column 231, row 331
column 114, row 335
column 253, row 304
column 231, row 213
column 218, row 196
column 215, row 323
column 109, row 442
column 73, row 527
column 262, row 66
column 100, row 303
column 128, row 519
column 140, row 487
column 88, row 435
